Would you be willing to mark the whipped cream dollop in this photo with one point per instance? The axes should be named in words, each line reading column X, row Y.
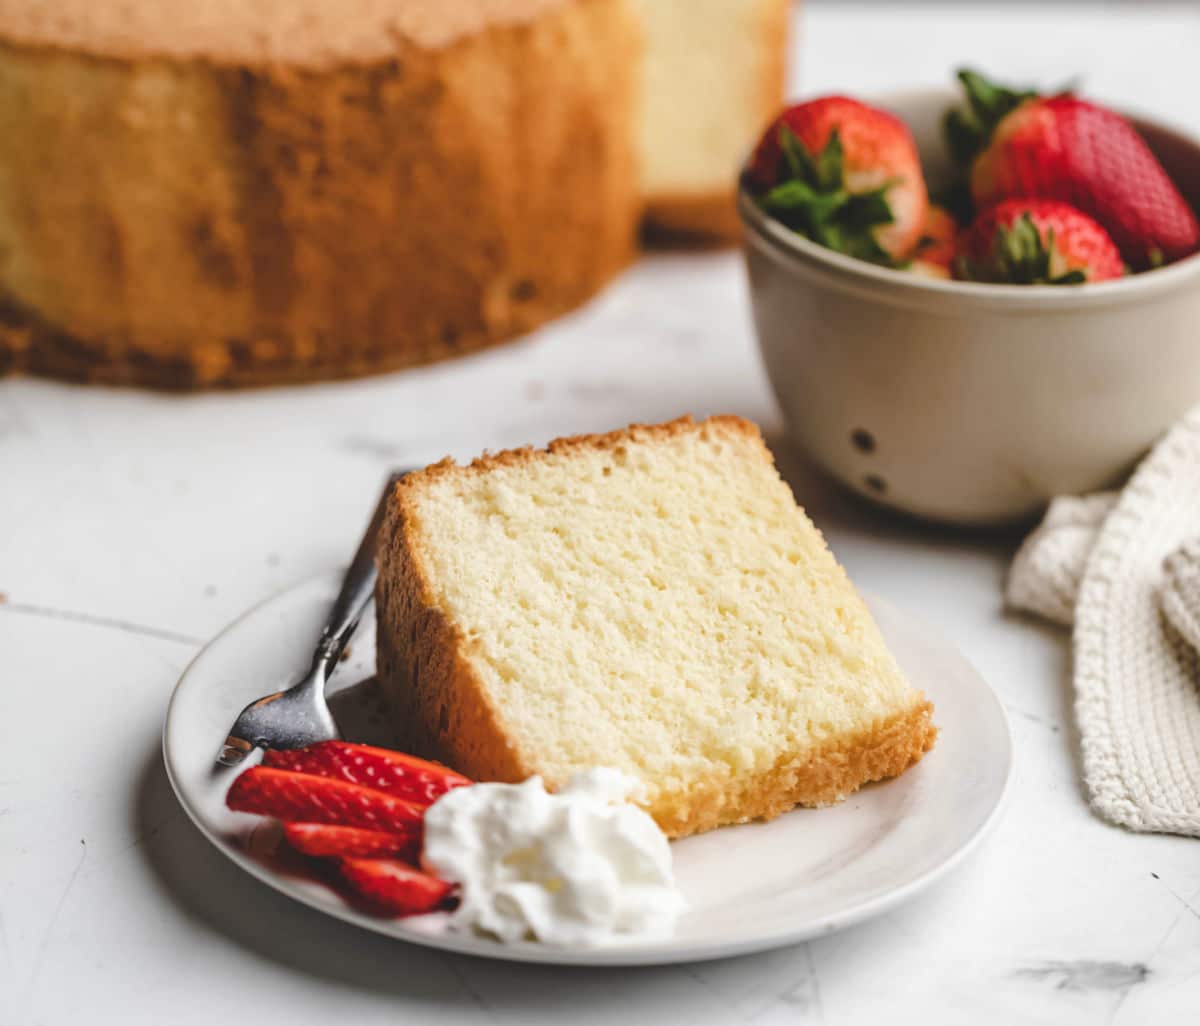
column 580, row 867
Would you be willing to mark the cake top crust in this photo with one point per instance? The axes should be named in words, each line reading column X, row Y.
column 310, row 32
column 447, row 468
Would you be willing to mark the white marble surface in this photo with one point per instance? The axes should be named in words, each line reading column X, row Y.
column 133, row 527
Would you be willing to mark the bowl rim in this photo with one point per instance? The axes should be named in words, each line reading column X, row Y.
column 855, row 274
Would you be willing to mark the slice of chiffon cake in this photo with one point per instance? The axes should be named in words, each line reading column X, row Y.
column 652, row 600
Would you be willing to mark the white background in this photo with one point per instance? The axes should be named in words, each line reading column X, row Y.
column 134, row 526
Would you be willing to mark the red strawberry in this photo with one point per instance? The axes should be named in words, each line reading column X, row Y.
column 404, row 776
column 937, row 248
column 301, row 798
column 394, row 887
column 1031, row 241
column 1062, row 147
column 843, row 174
column 322, row 839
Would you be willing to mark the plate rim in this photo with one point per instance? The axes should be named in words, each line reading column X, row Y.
column 665, row 952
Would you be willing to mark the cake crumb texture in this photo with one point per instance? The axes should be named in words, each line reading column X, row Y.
column 714, row 78
column 652, row 600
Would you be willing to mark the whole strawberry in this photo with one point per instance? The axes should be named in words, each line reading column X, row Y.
column 845, row 175
column 1062, row 147
column 1037, row 242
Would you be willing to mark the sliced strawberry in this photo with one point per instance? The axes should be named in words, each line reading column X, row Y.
column 404, row 776
column 322, row 839
column 394, row 887
column 299, row 797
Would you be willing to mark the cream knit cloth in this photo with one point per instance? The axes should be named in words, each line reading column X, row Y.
column 1125, row 568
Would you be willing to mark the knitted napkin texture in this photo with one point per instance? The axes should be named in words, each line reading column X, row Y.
column 1127, row 570
column 1048, row 568
column 1180, row 592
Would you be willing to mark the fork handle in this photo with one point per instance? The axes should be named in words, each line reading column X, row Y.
column 357, row 588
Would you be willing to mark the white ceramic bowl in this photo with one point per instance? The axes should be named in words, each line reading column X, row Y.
column 965, row 402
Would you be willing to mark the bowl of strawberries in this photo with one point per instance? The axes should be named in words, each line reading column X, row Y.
column 968, row 303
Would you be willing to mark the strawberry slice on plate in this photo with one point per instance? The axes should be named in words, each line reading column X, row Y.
column 303, row 798
column 404, row 776
column 843, row 174
column 394, row 887
column 322, row 839
column 1037, row 242
column 1019, row 143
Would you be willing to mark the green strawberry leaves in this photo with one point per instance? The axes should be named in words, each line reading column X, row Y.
column 968, row 130
column 825, row 172
column 811, row 198
column 1020, row 256
column 830, row 162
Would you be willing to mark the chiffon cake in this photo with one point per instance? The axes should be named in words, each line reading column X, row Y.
column 652, row 600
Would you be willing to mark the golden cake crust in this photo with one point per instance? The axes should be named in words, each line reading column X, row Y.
column 825, row 775
column 315, row 33
column 180, row 221
column 709, row 218
column 443, row 711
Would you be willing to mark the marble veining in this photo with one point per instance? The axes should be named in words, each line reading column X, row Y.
column 1086, row 974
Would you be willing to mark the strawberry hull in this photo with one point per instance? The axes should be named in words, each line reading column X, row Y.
column 1068, row 149
column 844, row 174
column 1037, row 242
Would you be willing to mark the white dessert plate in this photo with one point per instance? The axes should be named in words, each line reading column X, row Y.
column 749, row 888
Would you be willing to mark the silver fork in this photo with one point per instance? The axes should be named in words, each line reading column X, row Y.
column 300, row 716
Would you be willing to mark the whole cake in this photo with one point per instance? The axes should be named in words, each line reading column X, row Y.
column 651, row 600
column 236, row 193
